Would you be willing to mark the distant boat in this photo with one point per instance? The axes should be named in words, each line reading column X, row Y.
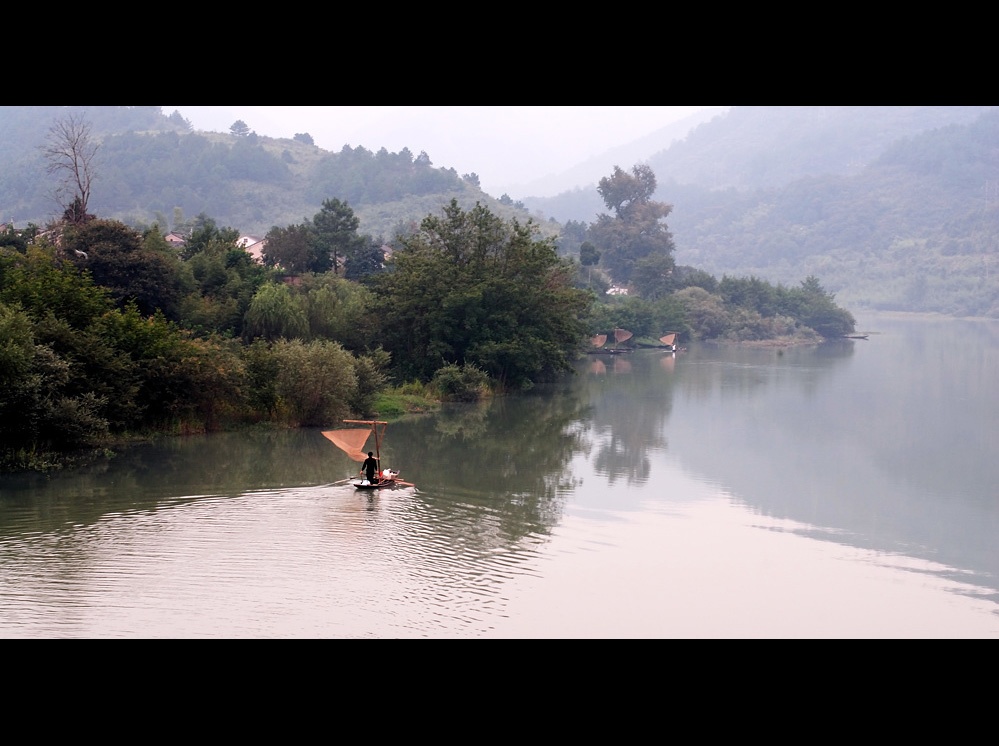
column 667, row 342
column 599, row 343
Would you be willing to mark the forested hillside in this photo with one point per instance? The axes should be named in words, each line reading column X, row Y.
column 151, row 167
column 890, row 207
column 893, row 208
column 916, row 230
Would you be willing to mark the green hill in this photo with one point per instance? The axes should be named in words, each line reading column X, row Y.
column 153, row 168
column 891, row 207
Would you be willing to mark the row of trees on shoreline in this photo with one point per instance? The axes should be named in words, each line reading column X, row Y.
column 469, row 301
column 107, row 331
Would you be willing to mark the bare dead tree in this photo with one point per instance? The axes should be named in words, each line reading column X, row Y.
column 70, row 152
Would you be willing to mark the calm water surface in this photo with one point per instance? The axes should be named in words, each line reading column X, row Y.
column 843, row 491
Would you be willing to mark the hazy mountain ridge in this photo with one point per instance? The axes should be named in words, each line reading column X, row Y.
column 751, row 147
column 771, row 146
column 892, row 208
column 587, row 174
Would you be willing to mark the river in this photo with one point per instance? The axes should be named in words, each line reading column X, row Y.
column 848, row 490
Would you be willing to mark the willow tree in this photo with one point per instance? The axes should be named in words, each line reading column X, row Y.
column 468, row 288
column 275, row 313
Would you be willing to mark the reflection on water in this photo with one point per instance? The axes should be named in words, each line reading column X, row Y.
column 839, row 491
column 896, row 454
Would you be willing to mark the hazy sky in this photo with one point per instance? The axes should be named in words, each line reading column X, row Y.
column 505, row 145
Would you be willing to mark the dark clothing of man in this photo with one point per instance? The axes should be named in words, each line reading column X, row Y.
column 370, row 466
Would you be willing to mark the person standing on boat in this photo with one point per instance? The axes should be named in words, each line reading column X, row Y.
column 370, row 466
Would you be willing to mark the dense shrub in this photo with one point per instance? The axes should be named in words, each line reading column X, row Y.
column 460, row 383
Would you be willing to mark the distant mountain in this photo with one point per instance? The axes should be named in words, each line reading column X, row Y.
column 587, row 174
column 893, row 208
column 771, row 146
column 749, row 147
column 890, row 207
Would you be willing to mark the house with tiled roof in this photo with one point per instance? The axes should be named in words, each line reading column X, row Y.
column 253, row 246
column 175, row 239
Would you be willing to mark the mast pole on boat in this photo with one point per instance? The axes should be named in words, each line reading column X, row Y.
column 374, row 428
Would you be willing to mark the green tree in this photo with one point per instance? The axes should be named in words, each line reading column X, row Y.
column 812, row 306
column 315, row 381
column 239, row 128
column 225, row 280
column 588, row 254
column 366, row 261
column 16, row 346
column 622, row 192
column 178, row 119
column 44, row 285
column 372, row 377
column 690, row 277
column 275, row 314
column 751, row 293
column 142, row 379
column 335, row 231
column 98, row 367
column 67, row 312
column 262, row 367
column 571, row 237
column 636, row 230
column 705, row 313
column 472, row 289
column 588, row 257
column 204, row 231
column 116, row 257
column 653, row 277
column 38, row 411
column 213, row 383
column 291, row 249
column 460, row 383
column 180, row 225
column 180, row 383
column 340, row 310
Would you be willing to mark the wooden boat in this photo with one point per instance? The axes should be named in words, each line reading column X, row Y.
column 353, row 440
column 387, row 478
